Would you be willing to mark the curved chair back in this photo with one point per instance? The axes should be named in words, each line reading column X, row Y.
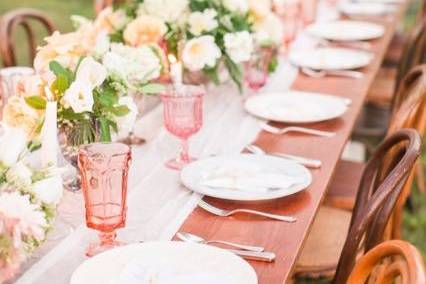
column 414, row 54
column 8, row 24
column 384, row 177
column 409, row 112
column 387, row 262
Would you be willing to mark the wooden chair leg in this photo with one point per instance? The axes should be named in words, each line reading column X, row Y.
column 420, row 177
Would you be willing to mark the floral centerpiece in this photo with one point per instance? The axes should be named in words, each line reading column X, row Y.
column 28, row 199
column 204, row 34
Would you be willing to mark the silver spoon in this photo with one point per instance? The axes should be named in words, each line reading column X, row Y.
column 338, row 73
column 197, row 239
column 310, row 163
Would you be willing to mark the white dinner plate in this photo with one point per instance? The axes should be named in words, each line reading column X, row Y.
column 194, row 175
column 165, row 259
column 346, row 30
column 296, row 107
column 379, row 1
column 365, row 8
column 329, row 58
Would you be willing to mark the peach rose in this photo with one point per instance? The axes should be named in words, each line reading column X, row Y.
column 110, row 20
column 18, row 114
column 144, row 30
column 31, row 86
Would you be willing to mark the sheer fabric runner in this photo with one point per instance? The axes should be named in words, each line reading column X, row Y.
column 157, row 203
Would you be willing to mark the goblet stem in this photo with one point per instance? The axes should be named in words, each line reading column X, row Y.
column 107, row 238
column 184, row 154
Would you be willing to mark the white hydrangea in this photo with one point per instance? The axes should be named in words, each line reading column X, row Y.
column 48, row 190
column 239, row 46
column 132, row 65
column 200, row 22
column 269, row 29
column 19, row 175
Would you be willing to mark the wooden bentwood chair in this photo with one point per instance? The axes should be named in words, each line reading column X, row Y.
column 8, row 25
column 336, row 237
column 388, row 262
column 409, row 111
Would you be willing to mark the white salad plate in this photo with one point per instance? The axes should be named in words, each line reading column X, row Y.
column 165, row 263
column 296, row 107
column 246, row 177
column 329, row 58
column 346, row 30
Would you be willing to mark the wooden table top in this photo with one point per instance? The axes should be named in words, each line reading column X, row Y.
column 287, row 239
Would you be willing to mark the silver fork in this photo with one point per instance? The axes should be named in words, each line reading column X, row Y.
column 337, row 73
column 225, row 213
column 280, row 131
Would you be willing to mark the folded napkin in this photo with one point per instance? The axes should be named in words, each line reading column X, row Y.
column 253, row 179
column 137, row 272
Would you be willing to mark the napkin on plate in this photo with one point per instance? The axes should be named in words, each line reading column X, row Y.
column 137, row 272
column 253, row 179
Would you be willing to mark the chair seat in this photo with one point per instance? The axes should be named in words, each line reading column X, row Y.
column 324, row 245
column 343, row 188
column 382, row 89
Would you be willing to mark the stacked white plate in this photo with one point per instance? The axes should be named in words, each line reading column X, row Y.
column 365, row 8
column 346, row 30
column 328, row 58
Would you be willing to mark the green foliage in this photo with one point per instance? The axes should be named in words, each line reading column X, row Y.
column 273, row 64
column 212, row 74
column 200, row 5
column 235, row 71
column 151, row 89
column 36, row 102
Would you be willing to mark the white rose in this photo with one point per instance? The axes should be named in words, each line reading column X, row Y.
column 168, row 10
column 237, row 6
column 92, row 71
column 126, row 123
column 260, row 8
column 48, row 190
column 79, row 96
column 12, row 144
column 200, row 52
column 200, row 22
column 239, row 46
column 269, row 29
column 19, row 175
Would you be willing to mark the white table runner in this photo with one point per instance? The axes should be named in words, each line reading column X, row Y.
column 157, row 203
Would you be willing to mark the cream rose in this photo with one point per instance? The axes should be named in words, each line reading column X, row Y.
column 144, row 30
column 200, row 22
column 269, row 30
column 260, row 8
column 236, row 6
column 168, row 10
column 79, row 96
column 200, row 52
column 17, row 113
column 111, row 20
column 239, row 46
column 31, row 86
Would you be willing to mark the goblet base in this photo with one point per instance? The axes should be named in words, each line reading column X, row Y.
column 107, row 242
column 178, row 164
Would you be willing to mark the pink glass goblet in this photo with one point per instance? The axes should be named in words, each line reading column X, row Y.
column 289, row 12
column 309, row 11
column 257, row 69
column 104, row 170
column 183, row 117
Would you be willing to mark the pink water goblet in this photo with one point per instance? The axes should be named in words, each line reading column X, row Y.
column 289, row 12
column 309, row 11
column 257, row 68
column 104, row 172
column 183, row 117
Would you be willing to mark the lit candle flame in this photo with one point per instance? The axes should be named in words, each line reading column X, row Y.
column 172, row 58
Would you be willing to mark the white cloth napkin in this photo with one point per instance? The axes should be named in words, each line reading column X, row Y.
column 137, row 272
column 254, row 179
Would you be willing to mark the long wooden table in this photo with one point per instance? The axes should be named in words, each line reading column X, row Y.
column 287, row 239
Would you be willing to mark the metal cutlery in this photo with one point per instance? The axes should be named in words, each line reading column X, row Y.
column 350, row 44
column 310, row 163
column 338, row 73
column 225, row 213
column 280, row 131
column 197, row 239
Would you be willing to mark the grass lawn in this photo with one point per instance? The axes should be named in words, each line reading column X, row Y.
column 60, row 11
